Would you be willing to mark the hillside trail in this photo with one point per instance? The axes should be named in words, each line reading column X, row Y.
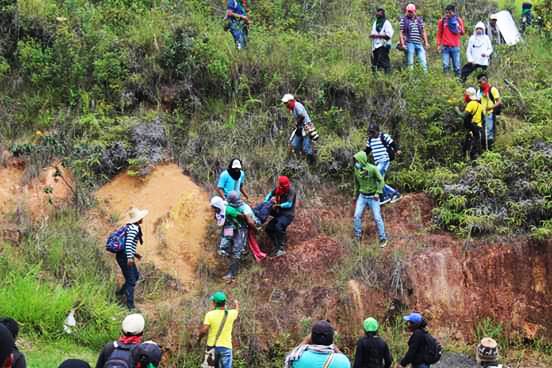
column 176, row 226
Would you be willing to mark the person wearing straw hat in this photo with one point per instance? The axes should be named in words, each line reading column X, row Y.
column 127, row 259
column 487, row 353
column 372, row 351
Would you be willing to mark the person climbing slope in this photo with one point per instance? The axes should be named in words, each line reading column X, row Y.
column 450, row 30
column 381, row 35
column 283, row 199
column 237, row 21
column 478, row 52
column 305, row 133
column 232, row 179
column 121, row 350
column 368, row 187
column 372, row 351
column 413, row 37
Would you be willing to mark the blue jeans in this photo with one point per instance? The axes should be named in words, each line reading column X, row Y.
column 224, row 357
column 302, row 143
column 235, row 244
column 388, row 191
column 362, row 202
column 131, row 276
column 237, row 29
column 451, row 53
column 490, row 126
column 419, row 50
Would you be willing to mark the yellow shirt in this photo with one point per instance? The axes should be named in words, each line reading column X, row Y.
column 475, row 109
column 213, row 319
column 487, row 102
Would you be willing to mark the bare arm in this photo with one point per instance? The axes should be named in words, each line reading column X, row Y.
column 203, row 330
column 220, row 192
column 425, row 39
column 242, row 190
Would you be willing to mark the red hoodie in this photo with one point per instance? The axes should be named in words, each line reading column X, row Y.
column 445, row 37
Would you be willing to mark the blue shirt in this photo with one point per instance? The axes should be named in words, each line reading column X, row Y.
column 299, row 111
column 311, row 359
column 227, row 184
column 235, row 6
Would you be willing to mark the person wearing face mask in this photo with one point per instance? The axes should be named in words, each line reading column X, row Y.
column 478, row 52
column 232, row 179
column 492, row 106
column 382, row 32
column 450, row 30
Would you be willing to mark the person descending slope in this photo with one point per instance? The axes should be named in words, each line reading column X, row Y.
column 283, row 199
column 413, row 37
column 372, row 351
column 381, row 35
column 478, row 52
column 473, row 123
column 232, row 179
column 492, row 107
column 115, row 353
column 450, row 30
column 237, row 22
column 305, row 133
column 368, row 187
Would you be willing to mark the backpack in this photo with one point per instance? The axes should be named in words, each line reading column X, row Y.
column 498, row 109
column 121, row 356
column 116, row 240
column 434, row 350
column 390, row 150
column 453, row 24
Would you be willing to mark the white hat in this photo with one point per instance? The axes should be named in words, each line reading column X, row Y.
column 471, row 93
column 236, row 164
column 287, row 97
column 136, row 214
column 133, row 324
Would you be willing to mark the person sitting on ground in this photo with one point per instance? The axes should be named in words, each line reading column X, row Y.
column 413, row 37
column 383, row 149
column 381, row 35
column 417, row 343
column 318, row 350
column 372, row 351
column 478, row 52
column 13, row 327
column 304, row 134
column 133, row 331
column 6, row 347
column 492, row 106
column 473, row 123
column 231, row 179
column 127, row 258
column 218, row 325
column 238, row 22
column 74, row 363
column 450, row 30
column 486, row 354
column 283, row 199
column 368, row 188
column 147, row 355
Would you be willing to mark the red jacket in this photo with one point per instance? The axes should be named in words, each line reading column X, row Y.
column 445, row 37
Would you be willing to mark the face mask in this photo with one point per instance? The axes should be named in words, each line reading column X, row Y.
column 479, row 32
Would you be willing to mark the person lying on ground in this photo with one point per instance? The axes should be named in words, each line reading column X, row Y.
column 492, row 107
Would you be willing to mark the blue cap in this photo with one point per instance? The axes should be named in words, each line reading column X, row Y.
column 415, row 318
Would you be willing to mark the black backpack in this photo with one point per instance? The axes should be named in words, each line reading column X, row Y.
column 433, row 351
column 121, row 356
column 498, row 109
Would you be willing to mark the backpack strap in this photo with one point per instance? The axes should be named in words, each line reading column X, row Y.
column 221, row 327
column 329, row 361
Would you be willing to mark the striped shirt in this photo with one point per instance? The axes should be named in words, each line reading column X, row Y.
column 413, row 35
column 379, row 152
column 134, row 233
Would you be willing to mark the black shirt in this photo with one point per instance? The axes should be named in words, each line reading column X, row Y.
column 372, row 352
column 416, row 348
column 18, row 359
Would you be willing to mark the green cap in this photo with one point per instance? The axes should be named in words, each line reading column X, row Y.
column 370, row 325
column 218, row 297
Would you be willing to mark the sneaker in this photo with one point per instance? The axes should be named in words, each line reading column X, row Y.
column 222, row 253
column 383, row 243
column 384, row 201
column 396, row 197
column 280, row 253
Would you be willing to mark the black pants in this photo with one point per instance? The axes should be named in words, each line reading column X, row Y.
column 380, row 59
column 131, row 276
column 472, row 143
column 276, row 230
column 470, row 68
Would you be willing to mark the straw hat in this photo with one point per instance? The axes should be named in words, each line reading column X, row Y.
column 136, row 214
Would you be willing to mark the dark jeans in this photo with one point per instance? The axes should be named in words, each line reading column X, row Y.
column 131, row 275
column 380, row 59
column 276, row 230
column 470, row 68
column 472, row 144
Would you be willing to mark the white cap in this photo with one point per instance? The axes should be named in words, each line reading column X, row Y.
column 236, row 164
column 471, row 93
column 287, row 97
column 133, row 324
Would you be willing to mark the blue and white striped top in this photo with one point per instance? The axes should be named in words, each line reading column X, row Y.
column 379, row 152
column 132, row 237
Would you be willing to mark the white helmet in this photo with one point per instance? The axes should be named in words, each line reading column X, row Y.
column 287, row 97
column 133, row 324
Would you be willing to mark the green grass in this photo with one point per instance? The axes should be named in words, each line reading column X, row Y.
column 49, row 354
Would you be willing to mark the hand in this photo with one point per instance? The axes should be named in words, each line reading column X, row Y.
column 427, row 46
column 130, row 263
column 439, row 48
column 483, row 55
column 138, row 256
column 398, row 153
column 273, row 200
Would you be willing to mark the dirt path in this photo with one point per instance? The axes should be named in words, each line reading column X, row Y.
column 175, row 229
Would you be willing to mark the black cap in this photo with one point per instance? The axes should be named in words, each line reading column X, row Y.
column 6, row 344
column 74, row 363
column 322, row 333
column 146, row 353
column 451, row 7
column 373, row 127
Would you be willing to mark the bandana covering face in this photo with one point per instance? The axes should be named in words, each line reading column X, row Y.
column 130, row 340
column 283, row 187
column 291, row 105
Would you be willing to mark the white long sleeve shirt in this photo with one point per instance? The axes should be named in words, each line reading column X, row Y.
column 478, row 46
column 386, row 30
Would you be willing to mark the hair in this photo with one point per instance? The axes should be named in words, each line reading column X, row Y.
column 373, row 127
column 12, row 325
column 482, row 75
column 220, row 304
column 451, row 7
column 321, row 339
column 381, row 10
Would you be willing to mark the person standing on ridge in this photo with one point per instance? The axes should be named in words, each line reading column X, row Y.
column 232, row 179
column 450, row 30
column 381, row 35
column 478, row 52
column 417, row 343
column 492, row 106
column 283, row 199
column 13, row 327
column 237, row 21
column 383, row 149
column 371, row 350
column 121, row 350
column 305, row 133
column 368, row 187
column 218, row 325
column 413, row 37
